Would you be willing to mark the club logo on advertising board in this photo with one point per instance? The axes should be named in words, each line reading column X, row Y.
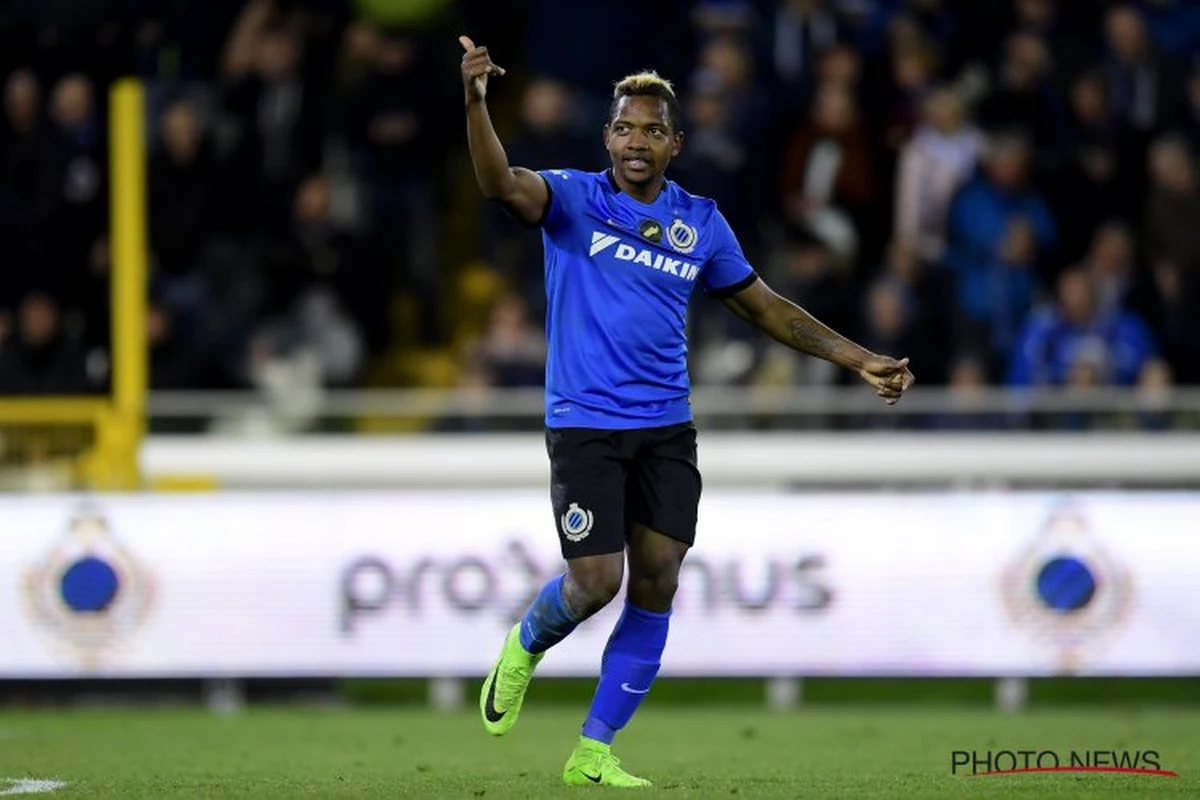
column 1066, row 590
column 89, row 593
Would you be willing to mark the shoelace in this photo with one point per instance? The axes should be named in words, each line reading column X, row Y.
column 607, row 759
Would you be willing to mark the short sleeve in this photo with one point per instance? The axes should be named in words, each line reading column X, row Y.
column 565, row 187
column 727, row 271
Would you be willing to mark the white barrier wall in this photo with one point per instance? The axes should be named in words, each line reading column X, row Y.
column 728, row 460
column 427, row 583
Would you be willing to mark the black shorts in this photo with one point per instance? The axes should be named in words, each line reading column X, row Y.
column 604, row 481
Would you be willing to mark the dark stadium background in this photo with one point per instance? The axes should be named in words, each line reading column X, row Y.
column 952, row 181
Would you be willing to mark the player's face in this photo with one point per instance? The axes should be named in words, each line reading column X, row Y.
column 640, row 140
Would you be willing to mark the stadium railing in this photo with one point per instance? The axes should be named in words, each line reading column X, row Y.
column 718, row 403
column 776, row 437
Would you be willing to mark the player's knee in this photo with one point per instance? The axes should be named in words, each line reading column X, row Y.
column 660, row 586
column 653, row 581
column 593, row 584
column 658, row 565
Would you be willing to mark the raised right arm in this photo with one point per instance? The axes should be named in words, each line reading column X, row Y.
column 522, row 191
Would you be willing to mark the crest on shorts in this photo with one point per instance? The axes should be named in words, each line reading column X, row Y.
column 682, row 236
column 576, row 523
column 651, row 230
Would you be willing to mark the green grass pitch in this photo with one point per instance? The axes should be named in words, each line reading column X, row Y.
column 715, row 752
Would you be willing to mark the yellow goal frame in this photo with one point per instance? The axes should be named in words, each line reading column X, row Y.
column 118, row 419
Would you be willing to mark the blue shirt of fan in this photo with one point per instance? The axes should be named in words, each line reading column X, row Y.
column 619, row 274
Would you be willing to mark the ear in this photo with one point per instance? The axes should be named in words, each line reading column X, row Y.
column 676, row 143
column 606, row 135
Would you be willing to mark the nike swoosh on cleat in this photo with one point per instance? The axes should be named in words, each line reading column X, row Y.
column 592, row 778
column 489, row 703
column 625, row 687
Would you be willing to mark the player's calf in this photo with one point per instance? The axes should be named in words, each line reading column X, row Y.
column 592, row 582
column 634, row 651
column 631, row 661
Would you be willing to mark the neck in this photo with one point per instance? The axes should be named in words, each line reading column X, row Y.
column 643, row 193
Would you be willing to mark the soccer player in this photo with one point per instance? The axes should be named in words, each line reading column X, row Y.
column 623, row 250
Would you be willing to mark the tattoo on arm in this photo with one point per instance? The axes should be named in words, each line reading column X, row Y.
column 789, row 324
column 804, row 332
column 812, row 337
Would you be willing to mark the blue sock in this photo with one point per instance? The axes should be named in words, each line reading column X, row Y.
column 631, row 660
column 548, row 620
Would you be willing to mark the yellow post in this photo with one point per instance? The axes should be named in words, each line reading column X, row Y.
column 122, row 435
column 119, row 421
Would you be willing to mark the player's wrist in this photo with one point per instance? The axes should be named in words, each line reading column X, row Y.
column 855, row 357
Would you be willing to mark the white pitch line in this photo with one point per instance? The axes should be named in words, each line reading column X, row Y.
column 31, row 786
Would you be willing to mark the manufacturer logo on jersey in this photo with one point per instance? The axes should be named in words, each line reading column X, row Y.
column 656, row 261
column 682, row 236
column 576, row 523
column 651, row 230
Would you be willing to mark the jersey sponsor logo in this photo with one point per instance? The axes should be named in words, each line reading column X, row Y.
column 682, row 236
column 671, row 266
column 656, row 261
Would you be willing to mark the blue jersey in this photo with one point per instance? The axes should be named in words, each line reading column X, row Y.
column 619, row 274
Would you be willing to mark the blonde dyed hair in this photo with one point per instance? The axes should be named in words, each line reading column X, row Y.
column 649, row 83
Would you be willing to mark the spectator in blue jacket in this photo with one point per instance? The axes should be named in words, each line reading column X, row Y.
column 1058, row 342
column 999, row 228
column 1174, row 26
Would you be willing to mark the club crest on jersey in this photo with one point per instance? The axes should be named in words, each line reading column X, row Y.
column 682, row 236
column 576, row 523
column 651, row 230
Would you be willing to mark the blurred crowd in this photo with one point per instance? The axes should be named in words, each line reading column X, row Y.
column 298, row 161
column 1006, row 192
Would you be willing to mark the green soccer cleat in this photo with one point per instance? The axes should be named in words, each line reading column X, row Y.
column 504, row 690
column 593, row 764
